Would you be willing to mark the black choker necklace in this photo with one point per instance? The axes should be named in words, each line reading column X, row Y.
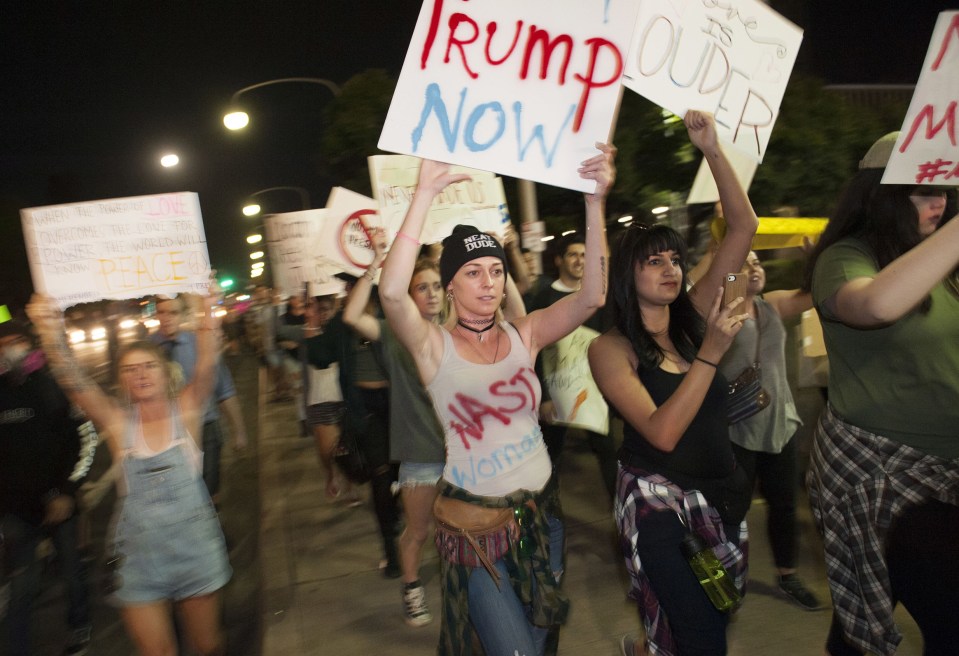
column 476, row 330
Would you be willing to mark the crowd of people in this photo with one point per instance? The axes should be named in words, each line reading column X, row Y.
column 432, row 367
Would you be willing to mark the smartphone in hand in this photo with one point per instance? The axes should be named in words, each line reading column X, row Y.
column 734, row 286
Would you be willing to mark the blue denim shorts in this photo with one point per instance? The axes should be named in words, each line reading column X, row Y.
column 413, row 474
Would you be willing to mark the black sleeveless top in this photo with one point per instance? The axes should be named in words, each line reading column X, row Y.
column 703, row 452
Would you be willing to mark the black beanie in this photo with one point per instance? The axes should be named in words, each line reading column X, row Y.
column 465, row 244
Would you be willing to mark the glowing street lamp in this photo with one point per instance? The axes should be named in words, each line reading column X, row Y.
column 237, row 119
column 254, row 239
column 256, row 255
column 252, row 208
column 169, row 160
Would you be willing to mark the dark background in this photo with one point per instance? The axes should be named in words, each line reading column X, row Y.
column 94, row 92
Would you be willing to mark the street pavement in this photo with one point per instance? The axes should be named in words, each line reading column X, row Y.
column 306, row 577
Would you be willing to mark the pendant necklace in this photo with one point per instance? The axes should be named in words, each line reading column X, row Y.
column 463, row 323
column 476, row 350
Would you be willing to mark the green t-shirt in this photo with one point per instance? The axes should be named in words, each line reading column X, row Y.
column 900, row 381
column 415, row 432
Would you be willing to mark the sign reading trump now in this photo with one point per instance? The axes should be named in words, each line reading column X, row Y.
column 524, row 89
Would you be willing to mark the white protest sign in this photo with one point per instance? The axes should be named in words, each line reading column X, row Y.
column 704, row 186
column 729, row 57
column 290, row 240
column 350, row 215
column 576, row 398
column 479, row 201
column 118, row 248
column 524, row 89
column 926, row 151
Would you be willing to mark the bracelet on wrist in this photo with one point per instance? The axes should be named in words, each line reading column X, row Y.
column 409, row 238
column 704, row 361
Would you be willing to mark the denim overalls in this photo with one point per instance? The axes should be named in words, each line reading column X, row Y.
column 167, row 540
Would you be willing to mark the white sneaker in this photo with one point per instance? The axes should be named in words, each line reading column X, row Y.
column 414, row 603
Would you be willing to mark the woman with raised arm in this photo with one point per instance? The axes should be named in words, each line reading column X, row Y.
column 498, row 568
column 416, row 437
column 657, row 367
column 884, row 471
column 167, row 547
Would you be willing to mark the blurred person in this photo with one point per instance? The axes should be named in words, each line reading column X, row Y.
column 657, row 366
column 166, row 548
column 324, row 399
column 365, row 388
column 262, row 323
column 570, row 264
column 479, row 373
column 42, row 466
column 884, row 473
column 765, row 444
column 180, row 346
column 289, row 337
column 416, row 437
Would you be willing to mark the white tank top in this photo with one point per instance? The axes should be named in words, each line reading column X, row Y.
column 489, row 413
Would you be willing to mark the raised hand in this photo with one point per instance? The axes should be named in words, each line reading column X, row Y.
column 45, row 314
column 701, row 127
column 722, row 326
column 435, row 176
column 602, row 169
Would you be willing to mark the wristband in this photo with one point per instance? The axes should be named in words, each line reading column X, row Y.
column 406, row 236
column 711, row 364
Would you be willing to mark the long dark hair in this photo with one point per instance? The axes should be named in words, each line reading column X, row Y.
column 880, row 216
column 686, row 326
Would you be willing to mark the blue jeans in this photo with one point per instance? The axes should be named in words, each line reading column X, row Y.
column 500, row 619
column 21, row 540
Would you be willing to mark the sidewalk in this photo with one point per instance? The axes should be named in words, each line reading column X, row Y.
column 323, row 594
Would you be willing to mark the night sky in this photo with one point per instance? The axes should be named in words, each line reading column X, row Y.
column 94, row 91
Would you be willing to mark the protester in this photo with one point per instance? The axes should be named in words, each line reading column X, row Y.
column 479, row 373
column 365, row 388
column 570, row 258
column 166, row 548
column 42, row 465
column 324, row 400
column 416, row 437
column 180, row 346
column 658, row 367
column 884, row 472
column 765, row 444
column 261, row 326
column 289, row 337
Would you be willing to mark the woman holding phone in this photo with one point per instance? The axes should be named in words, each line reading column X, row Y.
column 658, row 368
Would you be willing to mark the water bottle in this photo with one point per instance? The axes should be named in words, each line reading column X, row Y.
column 711, row 574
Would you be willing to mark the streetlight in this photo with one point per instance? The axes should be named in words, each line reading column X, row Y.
column 252, row 209
column 237, row 119
column 169, row 160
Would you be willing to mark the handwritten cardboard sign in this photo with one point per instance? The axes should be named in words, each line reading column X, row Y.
column 480, row 201
column 294, row 260
column 519, row 88
column 118, row 248
column 576, row 398
column 350, row 216
column 926, row 151
column 312, row 246
column 729, row 57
